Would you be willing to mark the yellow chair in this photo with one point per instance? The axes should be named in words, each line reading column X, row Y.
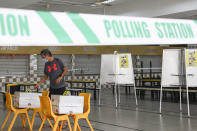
column 16, row 113
column 8, row 88
column 46, row 109
column 45, row 93
column 85, row 114
column 38, row 110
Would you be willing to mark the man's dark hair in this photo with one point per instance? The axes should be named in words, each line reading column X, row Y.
column 46, row 52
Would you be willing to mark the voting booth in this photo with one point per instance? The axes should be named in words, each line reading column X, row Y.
column 191, row 67
column 172, row 71
column 179, row 69
column 190, row 71
column 117, row 70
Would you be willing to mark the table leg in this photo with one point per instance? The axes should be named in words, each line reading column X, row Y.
column 85, row 87
column 24, row 88
column 126, row 90
column 95, row 90
column 4, row 98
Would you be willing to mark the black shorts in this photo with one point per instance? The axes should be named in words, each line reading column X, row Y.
column 58, row 91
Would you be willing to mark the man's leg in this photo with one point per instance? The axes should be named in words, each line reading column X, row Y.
column 61, row 90
column 51, row 92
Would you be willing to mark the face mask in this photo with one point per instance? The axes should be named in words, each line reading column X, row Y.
column 45, row 60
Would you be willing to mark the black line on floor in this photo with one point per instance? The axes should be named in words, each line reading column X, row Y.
column 116, row 125
column 88, row 127
column 93, row 128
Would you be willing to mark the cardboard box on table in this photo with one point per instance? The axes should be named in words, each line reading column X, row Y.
column 67, row 104
column 27, row 100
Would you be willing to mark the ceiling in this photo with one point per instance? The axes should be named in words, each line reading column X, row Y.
column 82, row 6
column 162, row 8
column 192, row 14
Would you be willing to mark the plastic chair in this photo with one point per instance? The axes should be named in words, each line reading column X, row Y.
column 8, row 88
column 46, row 109
column 38, row 110
column 45, row 93
column 16, row 111
column 85, row 114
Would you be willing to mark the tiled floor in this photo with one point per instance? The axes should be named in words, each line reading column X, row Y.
column 127, row 117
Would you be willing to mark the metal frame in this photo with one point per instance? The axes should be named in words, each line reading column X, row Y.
column 186, row 76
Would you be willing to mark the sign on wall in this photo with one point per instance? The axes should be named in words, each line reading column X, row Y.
column 39, row 28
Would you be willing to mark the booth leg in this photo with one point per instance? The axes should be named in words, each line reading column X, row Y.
column 115, row 91
column 136, row 102
column 118, row 94
column 180, row 99
column 99, row 95
column 161, row 93
column 188, row 107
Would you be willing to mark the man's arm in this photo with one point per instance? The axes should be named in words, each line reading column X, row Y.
column 62, row 75
column 64, row 72
column 44, row 78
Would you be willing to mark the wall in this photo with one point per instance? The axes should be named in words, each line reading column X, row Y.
column 135, row 50
column 90, row 62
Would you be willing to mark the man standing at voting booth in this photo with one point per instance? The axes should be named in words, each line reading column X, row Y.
column 54, row 69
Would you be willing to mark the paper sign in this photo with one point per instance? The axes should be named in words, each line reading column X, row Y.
column 191, row 58
column 123, row 60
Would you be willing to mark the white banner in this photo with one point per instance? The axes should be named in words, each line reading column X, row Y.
column 38, row 28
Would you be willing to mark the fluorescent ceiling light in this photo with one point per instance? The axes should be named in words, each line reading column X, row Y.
column 108, row 1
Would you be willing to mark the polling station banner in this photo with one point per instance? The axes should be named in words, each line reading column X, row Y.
column 39, row 28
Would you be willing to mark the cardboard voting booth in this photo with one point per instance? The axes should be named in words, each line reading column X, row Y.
column 173, row 71
column 171, row 67
column 67, row 104
column 117, row 70
column 27, row 100
column 179, row 69
column 191, row 67
column 190, row 72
